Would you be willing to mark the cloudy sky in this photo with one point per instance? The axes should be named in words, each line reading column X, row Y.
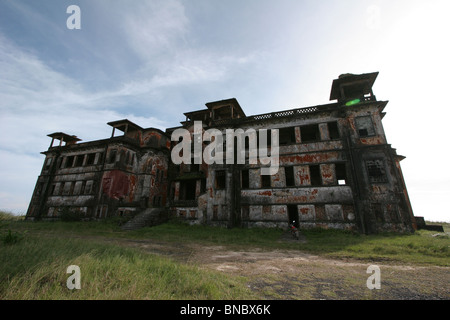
column 150, row 61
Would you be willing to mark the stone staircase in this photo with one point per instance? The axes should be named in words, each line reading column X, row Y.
column 147, row 218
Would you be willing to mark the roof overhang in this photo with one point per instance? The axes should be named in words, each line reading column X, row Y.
column 63, row 137
column 361, row 82
column 125, row 125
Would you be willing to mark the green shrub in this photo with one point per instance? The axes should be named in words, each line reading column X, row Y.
column 12, row 237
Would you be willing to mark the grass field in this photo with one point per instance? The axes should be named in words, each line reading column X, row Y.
column 34, row 257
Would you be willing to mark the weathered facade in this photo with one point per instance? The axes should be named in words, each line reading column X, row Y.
column 117, row 176
column 336, row 169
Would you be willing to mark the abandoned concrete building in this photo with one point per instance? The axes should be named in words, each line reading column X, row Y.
column 335, row 169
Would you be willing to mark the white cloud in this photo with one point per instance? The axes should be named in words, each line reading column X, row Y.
column 155, row 28
column 36, row 101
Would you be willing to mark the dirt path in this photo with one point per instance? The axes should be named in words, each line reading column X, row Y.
column 291, row 274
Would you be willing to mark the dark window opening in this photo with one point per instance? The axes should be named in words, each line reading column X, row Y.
column 333, row 130
column 157, row 201
column 159, row 175
column 376, row 171
column 289, row 173
column 203, row 185
column 215, row 212
column 89, row 187
column 310, row 133
column 187, row 189
column 90, row 159
column 83, row 186
column 112, row 156
column 100, row 158
column 70, row 161
column 265, row 181
column 122, row 157
column 341, row 173
column 363, row 132
column 245, row 179
column 48, row 163
column 79, row 161
column 293, row 215
column 364, row 126
column 195, row 167
column 315, row 176
column 286, row 135
column 72, row 186
column 220, row 179
column 153, row 142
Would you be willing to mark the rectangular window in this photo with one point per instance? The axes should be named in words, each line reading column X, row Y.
column 100, row 158
column 376, row 171
column 333, row 130
column 215, row 212
column 70, row 161
column 90, row 159
column 220, row 179
column 245, row 178
column 39, row 188
column 364, row 126
column 112, row 156
column 82, row 187
column 79, row 161
column 89, row 187
column 48, row 163
column 293, row 215
column 315, row 176
column 203, row 185
column 72, row 186
column 289, row 173
column 286, row 135
column 341, row 173
column 64, row 189
column 155, row 201
column 68, row 188
column 265, row 181
column 310, row 133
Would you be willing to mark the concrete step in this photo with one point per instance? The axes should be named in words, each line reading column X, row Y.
column 148, row 217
